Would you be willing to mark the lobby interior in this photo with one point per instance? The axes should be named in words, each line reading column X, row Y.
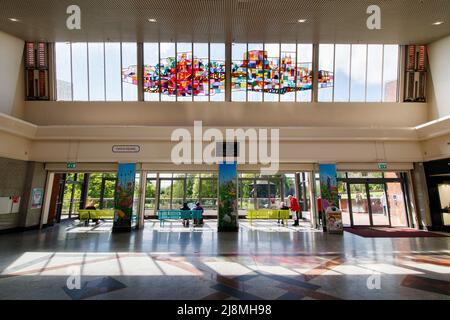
column 79, row 106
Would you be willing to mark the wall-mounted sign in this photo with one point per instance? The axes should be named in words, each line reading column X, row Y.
column 126, row 149
column 36, row 198
column 382, row 166
column 71, row 165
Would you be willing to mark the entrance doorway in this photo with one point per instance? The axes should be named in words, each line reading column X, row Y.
column 171, row 190
column 373, row 199
column 77, row 190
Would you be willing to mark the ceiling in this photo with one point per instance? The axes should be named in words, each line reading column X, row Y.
column 403, row 21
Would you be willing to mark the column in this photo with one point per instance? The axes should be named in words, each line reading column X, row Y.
column 142, row 190
column 228, row 211
column 125, row 218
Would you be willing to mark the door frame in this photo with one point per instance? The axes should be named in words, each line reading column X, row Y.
column 366, row 182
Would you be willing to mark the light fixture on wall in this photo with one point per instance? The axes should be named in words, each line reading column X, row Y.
column 301, row 20
column 438, row 23
column 153, row 20
column 13, row 19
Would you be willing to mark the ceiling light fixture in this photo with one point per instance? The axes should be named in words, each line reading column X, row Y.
column 438, row 23
column 14, row 19
column 151, row 20
column 302, row 20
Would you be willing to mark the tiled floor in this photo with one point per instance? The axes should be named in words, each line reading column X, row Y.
column 262, row 261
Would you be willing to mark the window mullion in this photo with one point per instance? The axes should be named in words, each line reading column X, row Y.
column 88, row 77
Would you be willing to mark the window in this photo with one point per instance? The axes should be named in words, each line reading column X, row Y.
column 358, row 73
column 260, row 72
column 271, row 72
column 390, row 73
column 151, row 71
column 113, row 72
column 326, row 74
column 96, row 71
column 185, row 71
column 63, row 71
column 129, row 72
column 217, row 72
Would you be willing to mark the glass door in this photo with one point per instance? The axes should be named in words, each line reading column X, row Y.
column 359, row 204
column 344, row 204
column 378, row 205
column 396, row 204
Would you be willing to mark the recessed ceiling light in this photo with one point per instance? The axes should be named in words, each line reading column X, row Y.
column 301, row 20
column 14, row 19
column 438, row 23
column 151, row 20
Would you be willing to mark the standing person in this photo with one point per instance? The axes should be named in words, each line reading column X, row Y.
column 198, row 207
column 296, row 208
column 185, row 207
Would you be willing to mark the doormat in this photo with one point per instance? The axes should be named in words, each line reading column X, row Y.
column 392, row 233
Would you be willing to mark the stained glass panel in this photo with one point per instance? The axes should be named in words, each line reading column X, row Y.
column 201, row 72
column 217, row 72
column 272, row 72
column 255, row 56
column 184, row 71
column 151, row 71
column 167, row 71
column 287, row 72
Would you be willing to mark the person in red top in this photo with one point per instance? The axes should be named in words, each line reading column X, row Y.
column 294, row 207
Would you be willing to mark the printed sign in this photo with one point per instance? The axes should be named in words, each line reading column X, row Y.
column 334, row 220
column 126, row 149
column 328, row 186
column 71, row 165
column 228, row 213
column 382, row 166
column 124, row 195
column 36, row 198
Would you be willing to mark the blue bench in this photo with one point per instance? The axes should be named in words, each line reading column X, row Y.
column 179, row 215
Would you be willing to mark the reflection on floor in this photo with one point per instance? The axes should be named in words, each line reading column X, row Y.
column 174, row 262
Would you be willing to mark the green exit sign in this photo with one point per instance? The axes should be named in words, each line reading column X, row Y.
column 71, row 165
column 382, row 166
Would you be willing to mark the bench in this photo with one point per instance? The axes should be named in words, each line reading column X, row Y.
column 268, row 214
column 87, row 215
column 179, row 215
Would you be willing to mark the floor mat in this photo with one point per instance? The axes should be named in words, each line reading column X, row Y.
column 392, row 233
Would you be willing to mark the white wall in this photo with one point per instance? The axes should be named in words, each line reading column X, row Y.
column 230, row 114
column 12, row 83
column 439, row 79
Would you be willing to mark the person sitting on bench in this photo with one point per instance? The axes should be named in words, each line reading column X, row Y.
column 185, row 207
column 198, row 207
column 91, row 206
column 283, row 206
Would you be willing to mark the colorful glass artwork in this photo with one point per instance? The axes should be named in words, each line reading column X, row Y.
column 326, row 79
column 216, row 77
column 129, row 75
column 273, row 74
column 185, row 76
column 287, row 72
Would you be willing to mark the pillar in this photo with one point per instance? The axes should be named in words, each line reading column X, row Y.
column 125, row 215
column 228, row 202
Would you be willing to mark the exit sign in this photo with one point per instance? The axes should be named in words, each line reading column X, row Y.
column 382, row 166
column 71, row 165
